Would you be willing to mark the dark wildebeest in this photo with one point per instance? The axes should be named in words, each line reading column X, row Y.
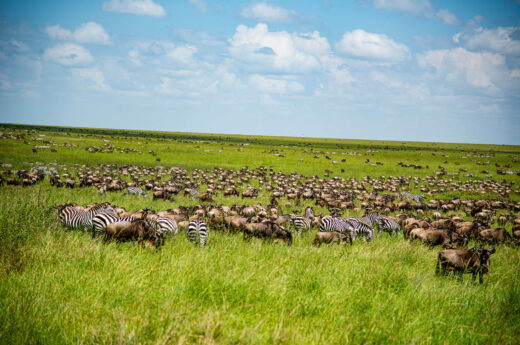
column 435, row 237
column 139, row 230
column 495, row 236
column 332, row 237
column 474, row 261
column 267, row 229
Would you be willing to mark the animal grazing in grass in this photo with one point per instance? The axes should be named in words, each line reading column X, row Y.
column 267, row 230
column 475, row 261
column 332, row 237
column 197, row 232
column 139, row 230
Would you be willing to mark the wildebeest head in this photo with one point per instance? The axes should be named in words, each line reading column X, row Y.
column 484, row 255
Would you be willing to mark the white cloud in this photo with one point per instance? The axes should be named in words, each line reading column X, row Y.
column 200, row 5
column 182, row 54
column 481, row 70
column 515, row 73
column 68, row 54
column 492, row 109
column 139, row 7
column 86, row 33
column 279, row 51
column 264, row 12
column 366, row 45
column 273, row 85
column 500, row 39
column 94, row 76
column 418, row 7
column 20, row 46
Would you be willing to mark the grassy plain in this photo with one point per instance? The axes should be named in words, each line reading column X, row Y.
column 61, row 287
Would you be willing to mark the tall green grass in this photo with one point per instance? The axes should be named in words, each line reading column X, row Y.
column 62, row 287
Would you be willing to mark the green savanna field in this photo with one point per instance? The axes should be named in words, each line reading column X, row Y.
column 62, row 287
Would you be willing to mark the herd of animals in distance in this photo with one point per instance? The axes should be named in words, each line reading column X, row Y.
column 467, row 229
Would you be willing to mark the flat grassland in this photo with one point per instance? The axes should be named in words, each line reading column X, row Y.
column 62, row 287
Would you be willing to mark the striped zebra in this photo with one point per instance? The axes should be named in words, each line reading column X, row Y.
column 388, row 224
column 166, row 225
column 135, row 191
column 197, row 232
column 371, row 218
column 73, row 218
column 309, row 213
column 300, row 223
column 101, row 221
column 414, row 197
column 361, row 228
column 329, row 223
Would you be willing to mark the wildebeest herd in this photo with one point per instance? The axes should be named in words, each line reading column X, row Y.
column 454, row 224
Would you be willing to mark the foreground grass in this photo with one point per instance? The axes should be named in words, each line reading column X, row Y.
column 61, row 287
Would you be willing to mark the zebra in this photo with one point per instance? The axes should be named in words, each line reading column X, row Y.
column 166, row 225
column 329, row 223
column 197, row 232
column 362, row 230
column 101, row 221
column 309, row 213
column 79, row 219
column 136, row 191
column 388, row 224
column 300, row 223
column 371, row 218
column 414, row 197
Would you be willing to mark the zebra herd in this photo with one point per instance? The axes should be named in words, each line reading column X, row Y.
column 98, row 217
column 360, row 227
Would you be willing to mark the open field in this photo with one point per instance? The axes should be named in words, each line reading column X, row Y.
column 62, row 287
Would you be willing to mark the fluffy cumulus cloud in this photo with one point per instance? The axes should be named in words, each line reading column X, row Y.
column 278, row 51
column 68, row 54
column 93, row 76
column 139, row 7
column 478, row 69
column 86, row 33
column 264, row 12
column 501, row 39
column 182, row 54
column 370, row 46
column 274, row 85
column 419, row 7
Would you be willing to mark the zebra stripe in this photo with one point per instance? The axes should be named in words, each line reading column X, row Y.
column 371, row 218
column 76, row 219
column 300, row 223
column 165, row 225
column 101, row 221
column 389, row 225
column 329, row 223
column 309, row 213
column 135, row 191
column 197, row 232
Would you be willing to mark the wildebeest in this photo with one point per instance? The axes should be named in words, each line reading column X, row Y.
column 266, row 230
column 138, row 230
column 499, row 235
column 474, row 261
column 332, row 237
column 435, row 237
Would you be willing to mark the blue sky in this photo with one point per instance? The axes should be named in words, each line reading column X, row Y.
column 370, row 69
